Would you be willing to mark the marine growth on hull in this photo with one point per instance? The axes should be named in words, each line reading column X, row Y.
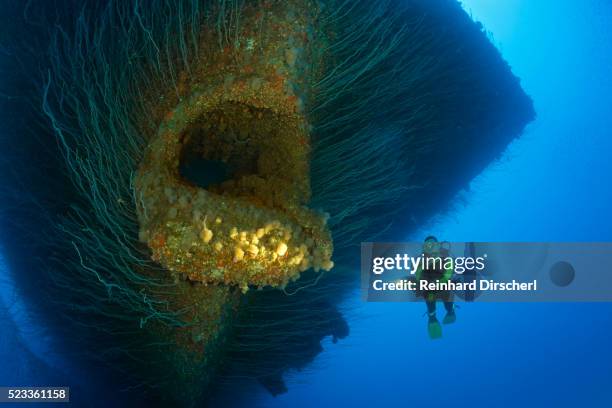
column 198, row 140
column 223, row 188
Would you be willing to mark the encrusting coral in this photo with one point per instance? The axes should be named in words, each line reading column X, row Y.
column 247, row 111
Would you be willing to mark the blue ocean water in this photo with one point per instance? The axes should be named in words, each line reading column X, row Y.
column 551, row 185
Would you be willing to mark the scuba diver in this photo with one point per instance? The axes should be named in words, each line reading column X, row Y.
column 433, row 249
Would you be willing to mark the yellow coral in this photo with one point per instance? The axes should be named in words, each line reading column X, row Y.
column 206, row 235
column 238, row 254
column 281, row 249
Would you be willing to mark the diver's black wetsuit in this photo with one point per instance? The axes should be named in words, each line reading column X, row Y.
column 431, row 296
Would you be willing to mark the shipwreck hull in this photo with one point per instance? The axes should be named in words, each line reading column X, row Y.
column 209, row 169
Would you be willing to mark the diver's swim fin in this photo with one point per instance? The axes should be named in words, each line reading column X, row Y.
column 450, row 317
column 434, row 329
